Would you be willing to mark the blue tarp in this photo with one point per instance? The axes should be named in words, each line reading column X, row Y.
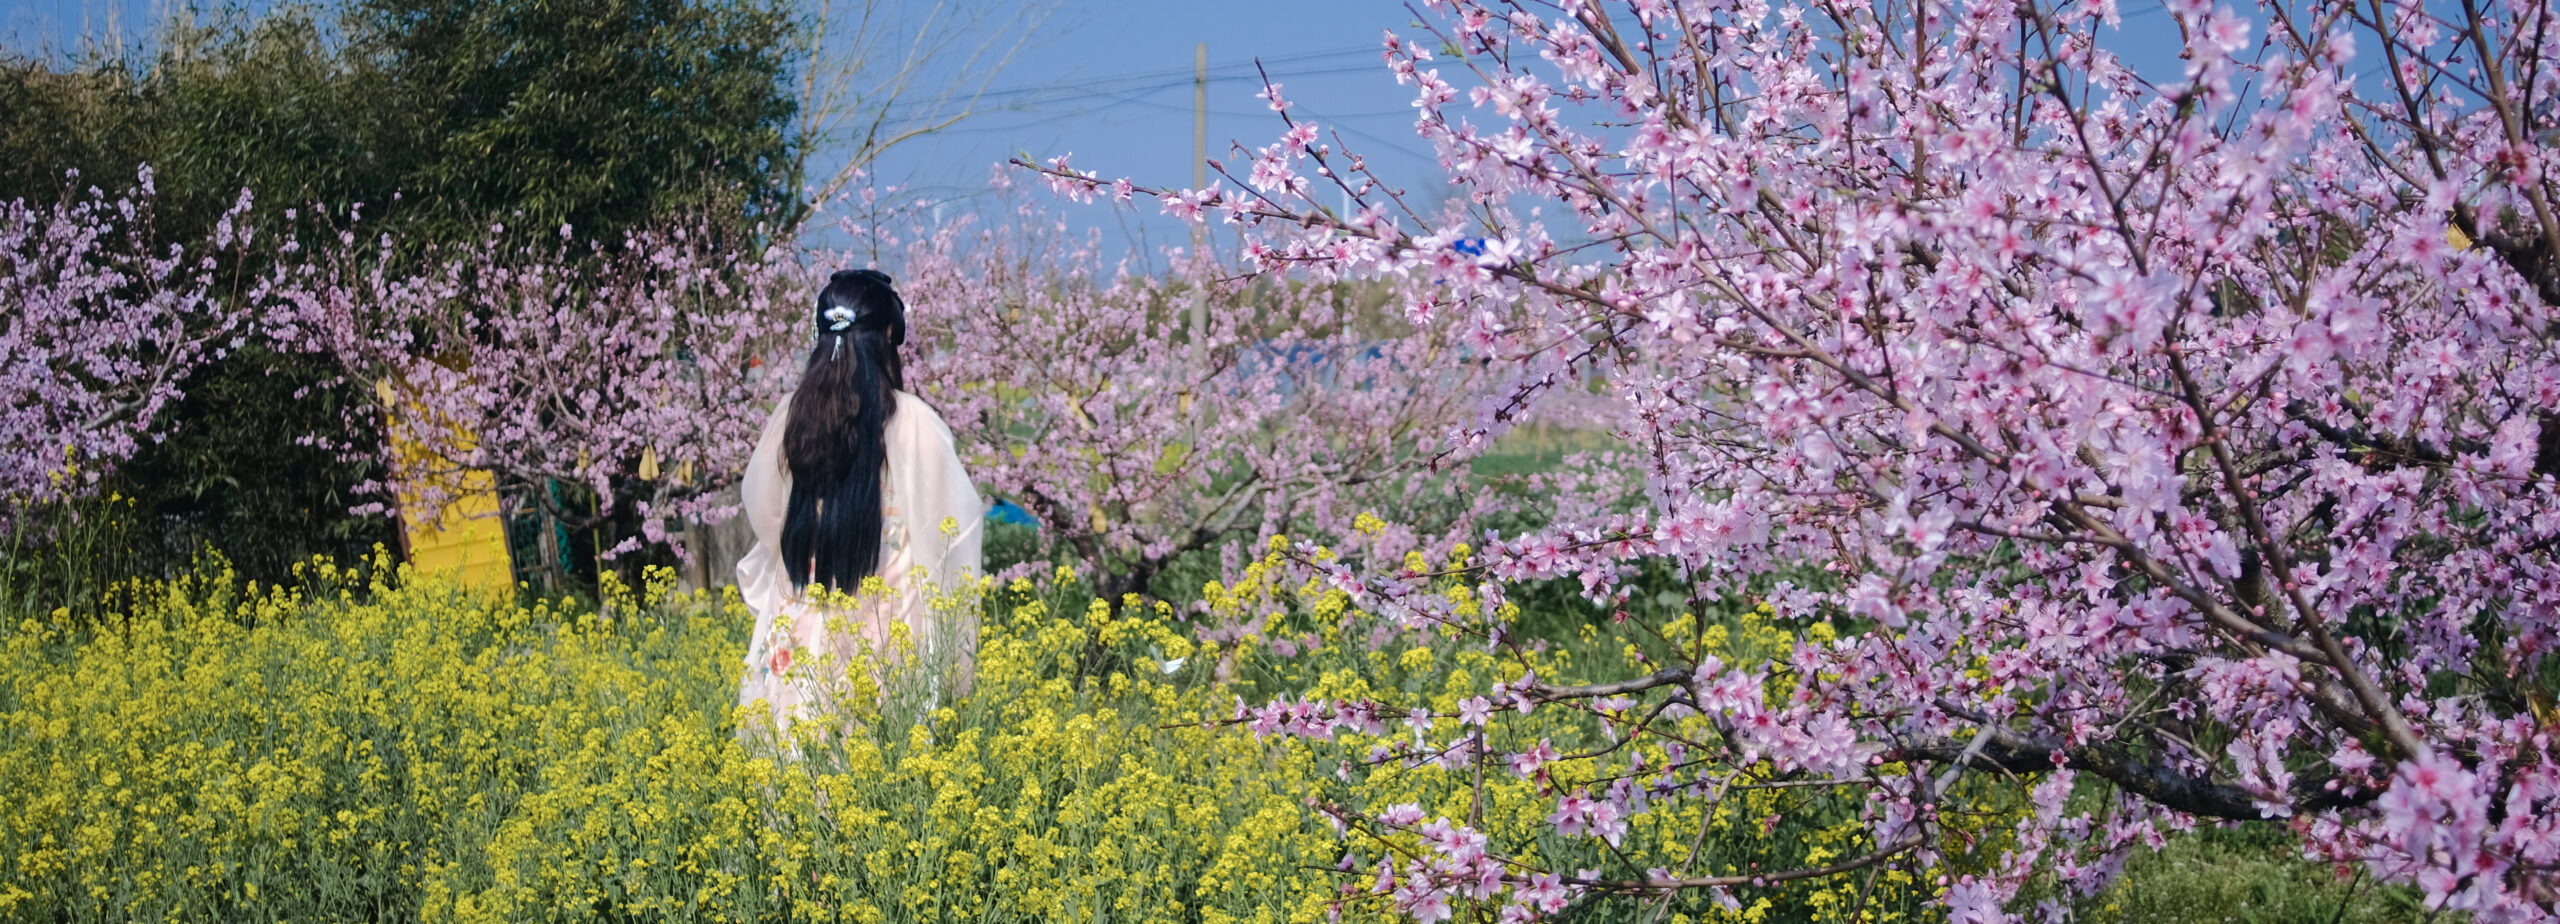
column 1004, row 511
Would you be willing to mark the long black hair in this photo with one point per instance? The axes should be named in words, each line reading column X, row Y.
column 833, row 440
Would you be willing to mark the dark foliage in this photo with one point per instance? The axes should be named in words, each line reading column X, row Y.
column 237, row 476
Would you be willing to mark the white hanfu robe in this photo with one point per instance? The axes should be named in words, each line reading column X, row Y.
column 930, row 535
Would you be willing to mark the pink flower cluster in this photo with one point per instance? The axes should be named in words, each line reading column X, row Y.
column 1456, row 868
column 640, row 372
column 1093, row 401
column 102, row 327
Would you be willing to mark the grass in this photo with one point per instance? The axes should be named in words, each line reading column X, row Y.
column 1537, row 449
column 2252, row 874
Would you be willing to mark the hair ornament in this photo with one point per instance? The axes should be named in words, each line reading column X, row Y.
column 839, row 318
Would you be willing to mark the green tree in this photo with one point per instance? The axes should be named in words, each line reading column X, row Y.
column 601, row 114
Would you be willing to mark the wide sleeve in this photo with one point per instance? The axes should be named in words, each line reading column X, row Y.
column 764, row 490
column 944, row 521
column 945, row 517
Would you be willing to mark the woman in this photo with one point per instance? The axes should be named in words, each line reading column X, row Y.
column 854, row 478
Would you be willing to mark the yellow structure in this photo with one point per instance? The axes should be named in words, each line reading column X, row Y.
column 464, row 538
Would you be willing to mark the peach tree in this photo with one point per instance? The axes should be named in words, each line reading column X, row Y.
column 2163, row 446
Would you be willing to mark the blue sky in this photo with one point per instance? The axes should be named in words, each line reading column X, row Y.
column 1111, row 83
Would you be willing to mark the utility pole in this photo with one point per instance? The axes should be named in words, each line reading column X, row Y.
column 1200, row 117
column 1200, row 234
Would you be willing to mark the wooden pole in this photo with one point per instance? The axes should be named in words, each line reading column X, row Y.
column 1199, row 180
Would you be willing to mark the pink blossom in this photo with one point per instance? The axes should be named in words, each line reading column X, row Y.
column 1526, row 763
column 1545, row 891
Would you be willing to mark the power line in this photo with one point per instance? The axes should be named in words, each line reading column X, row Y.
column 1154, row 81
column 1071, row 95
column 1329, row 121
column 1228, row 70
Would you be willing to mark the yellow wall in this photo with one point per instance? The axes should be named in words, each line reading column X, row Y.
column 466, row 538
